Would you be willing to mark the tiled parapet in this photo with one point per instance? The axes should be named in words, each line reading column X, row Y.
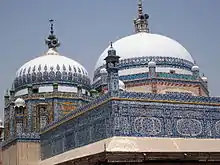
column 135, row 115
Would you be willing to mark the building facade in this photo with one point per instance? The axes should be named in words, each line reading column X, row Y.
column 44, row 90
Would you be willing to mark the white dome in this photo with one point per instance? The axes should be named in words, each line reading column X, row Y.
column 195, row 68
column 50, row 67
column 146, row 44
column 51, row 59
column 103, row 71
column 19, row 102
column 205, row 79
column 151, row 64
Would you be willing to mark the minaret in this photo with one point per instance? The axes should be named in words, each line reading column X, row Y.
column 12, row 91
column 112, row 61
column 195, row 71
column 141, row 22
column 52, row 41
column 6, row 98
column 152, row 69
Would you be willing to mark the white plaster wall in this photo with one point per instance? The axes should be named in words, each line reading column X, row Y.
column 46, row 89
column 67, row 89
column 21, row 92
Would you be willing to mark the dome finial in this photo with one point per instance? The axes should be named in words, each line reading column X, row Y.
column 141, row 22
column 140, row 8
column 52, row 41
column 111, row 44
column 6, row 93
column 111, row 50
column 51, row 26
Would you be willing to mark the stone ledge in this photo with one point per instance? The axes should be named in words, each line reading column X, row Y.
column 178, row 147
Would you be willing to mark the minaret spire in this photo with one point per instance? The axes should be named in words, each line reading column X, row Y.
column 140, row 8
column 52, row 41
column 51, row 26
column 141, row 22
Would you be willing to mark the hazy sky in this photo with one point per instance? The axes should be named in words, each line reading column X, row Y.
column 85, row 28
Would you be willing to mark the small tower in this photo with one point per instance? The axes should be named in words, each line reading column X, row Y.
column 12, row 91
column 152, row 69
column 20, row 116
column 141, row 22
column 112, row 61
column 205, row 80
column 6, row 98
column 195, row 71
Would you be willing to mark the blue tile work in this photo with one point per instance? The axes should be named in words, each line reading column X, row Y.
column 134, row 77
column 23, row 137
column 44, row 75
column 180, row 97
column 145, row 119
column 26, row 130
column 57, row 102
column 56, row 109
column 143, row 62
column 80, row 109
column 29, row 118
column 87, row 128
column 11, row 117
column 176, row 76
column 134, row 114
column 181, row 78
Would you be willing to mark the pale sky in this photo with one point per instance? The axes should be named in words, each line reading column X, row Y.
column 85, row 28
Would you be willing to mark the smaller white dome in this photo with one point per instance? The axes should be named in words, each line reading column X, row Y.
column 205, row 79
column 121, row 85
column 51, row 67
column 103, row 71
column 19, row 102
column 152, row 64
column 195, row 68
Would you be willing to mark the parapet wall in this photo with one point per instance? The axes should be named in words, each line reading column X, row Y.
column 135, row 115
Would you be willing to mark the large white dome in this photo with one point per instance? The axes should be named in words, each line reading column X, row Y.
column 51, row 67
column 146, row 44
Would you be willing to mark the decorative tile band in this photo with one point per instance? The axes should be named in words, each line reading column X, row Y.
column 143, row 62
column 135, row 118
column 173, row 98
column 24, row 137
column 145, row 76
column 51, row 77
